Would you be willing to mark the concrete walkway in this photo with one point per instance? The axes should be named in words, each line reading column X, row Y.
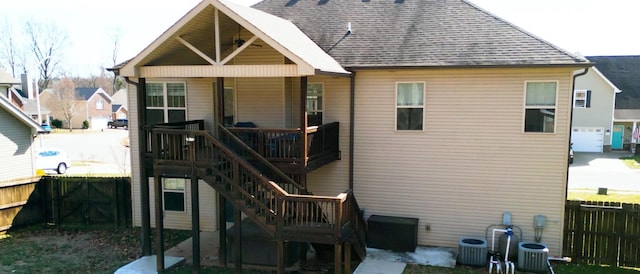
column 603, row 170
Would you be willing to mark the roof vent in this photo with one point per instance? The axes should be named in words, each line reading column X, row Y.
column 399, row 1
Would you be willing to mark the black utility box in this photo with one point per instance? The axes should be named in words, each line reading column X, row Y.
column 392, row 233
column 258, row 248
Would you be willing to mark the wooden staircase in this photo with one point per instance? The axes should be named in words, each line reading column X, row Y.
column 284, row 209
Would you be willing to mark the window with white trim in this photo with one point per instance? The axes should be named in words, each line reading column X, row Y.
column 166, row 102
column 540, row 106
column 582, row 99
column 409, row 106
column 315, row 104
column 173, row 194
column 99, row 104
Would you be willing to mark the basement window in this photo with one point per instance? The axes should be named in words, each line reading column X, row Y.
column 173, row 192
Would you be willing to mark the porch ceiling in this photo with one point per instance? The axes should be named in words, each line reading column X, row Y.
column 190, row 45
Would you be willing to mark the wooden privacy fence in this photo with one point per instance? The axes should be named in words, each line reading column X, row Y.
column 66, row 200
column 602, row 233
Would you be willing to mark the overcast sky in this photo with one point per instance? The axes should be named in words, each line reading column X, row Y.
column 589, row 27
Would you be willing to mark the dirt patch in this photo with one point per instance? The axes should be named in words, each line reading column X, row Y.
column 73, row 250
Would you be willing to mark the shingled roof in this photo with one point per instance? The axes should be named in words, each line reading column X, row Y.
column 624, row 72
column 417, row 33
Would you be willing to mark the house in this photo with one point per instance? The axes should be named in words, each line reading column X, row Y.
column 428, row 110
column 624, row 72
column 91, row 104
column 17, row 136
column 593, row 107
column 119, row 105
column 6, row 89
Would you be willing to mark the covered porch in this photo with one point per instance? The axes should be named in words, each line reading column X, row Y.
column 224, row 96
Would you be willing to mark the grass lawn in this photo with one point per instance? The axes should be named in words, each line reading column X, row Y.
column 632, row 162
column 103, row 249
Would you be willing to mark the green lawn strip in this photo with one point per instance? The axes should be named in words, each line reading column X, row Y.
column 632, row 162
column 611, row 196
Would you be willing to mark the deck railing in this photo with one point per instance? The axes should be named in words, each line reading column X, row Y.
column 294, row 214
column 284, row 145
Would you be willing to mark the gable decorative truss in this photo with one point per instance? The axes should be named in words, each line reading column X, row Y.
column 283, row 36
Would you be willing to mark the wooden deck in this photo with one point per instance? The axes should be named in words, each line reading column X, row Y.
column 245, row 173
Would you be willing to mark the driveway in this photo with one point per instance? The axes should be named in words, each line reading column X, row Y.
column 595, row 170
column 92, row 152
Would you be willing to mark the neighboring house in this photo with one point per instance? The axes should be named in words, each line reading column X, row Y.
column 119, row 104
column 623, row 72
column 434, row 110
column 92, row 105
column 593, row 104
column 118, row 112
column 17, row 135
column 6, row 89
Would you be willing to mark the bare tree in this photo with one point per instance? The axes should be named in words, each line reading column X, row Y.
column 47, row 42
column 63, row 101
column 9, row 48
column 116, row 83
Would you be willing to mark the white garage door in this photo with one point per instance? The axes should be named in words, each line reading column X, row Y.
column 587, row 139
column 98, row 122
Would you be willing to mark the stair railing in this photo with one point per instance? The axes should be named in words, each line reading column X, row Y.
column 239, row 181
column 240, row 147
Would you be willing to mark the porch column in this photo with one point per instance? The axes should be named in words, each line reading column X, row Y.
column 195, row 211
column 157, row 187
column 222, row 229
column 220, row 101
column 145, row 212
column 304, row 148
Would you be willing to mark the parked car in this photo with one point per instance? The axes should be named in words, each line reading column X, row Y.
column 52, row 159
column 123, row 123
column 46, row 127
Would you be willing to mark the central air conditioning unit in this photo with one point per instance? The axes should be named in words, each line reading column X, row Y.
column 532, row 257
column 472, row 251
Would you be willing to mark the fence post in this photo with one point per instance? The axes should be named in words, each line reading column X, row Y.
column 56, row 201
column 579, row 234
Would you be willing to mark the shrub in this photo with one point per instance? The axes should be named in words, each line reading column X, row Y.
column 56, row 123
column 85, row 124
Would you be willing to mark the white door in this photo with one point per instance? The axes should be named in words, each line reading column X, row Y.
column 587, row 139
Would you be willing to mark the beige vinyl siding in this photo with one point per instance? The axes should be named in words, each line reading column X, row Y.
column 333, row 178
column 261, row 100
column 200, row 98
column 182, row 220
column 471, row 163
column 16, row 158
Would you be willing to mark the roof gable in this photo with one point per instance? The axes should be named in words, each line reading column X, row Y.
column 623, row 72
column 416, row 33
column 19, row 115
column 191, row 41
column 6, row 79
column 86, row 94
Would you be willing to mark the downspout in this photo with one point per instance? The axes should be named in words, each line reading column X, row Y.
column 573, row 93
column 145, row 214
column 352, row 119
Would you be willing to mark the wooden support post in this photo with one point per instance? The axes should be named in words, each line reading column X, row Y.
column 220, row 101
column 195, row 211
column 222, row 230
column 157, row 186
column 280, row 264
column 304, row 123
column 237, row 239
column 347, row 257
column 337, row 247
column 145, row 212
